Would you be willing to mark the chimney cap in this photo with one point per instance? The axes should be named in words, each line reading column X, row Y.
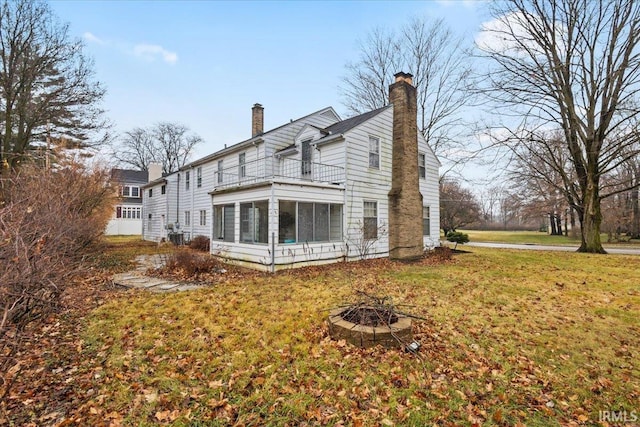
column 404, row 77
column 257, row 105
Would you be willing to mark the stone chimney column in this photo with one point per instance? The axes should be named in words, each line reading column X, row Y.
column 405, row 200
column 257, row 120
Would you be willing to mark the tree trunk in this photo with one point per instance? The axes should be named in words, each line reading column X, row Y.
column 635, row 207
column 552, row 224
column 591, row 220
column 572, row 214
column 559, row 224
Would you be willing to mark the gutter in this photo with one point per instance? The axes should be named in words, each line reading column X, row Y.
column 241, row 145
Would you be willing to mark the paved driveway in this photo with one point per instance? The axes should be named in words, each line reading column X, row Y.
column 532, row 247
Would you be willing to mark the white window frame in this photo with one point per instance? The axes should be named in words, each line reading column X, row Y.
column 370, row 212
column 374, row 152
column 249, row 226
column 187, row 180
column 199, row 177
column 128, row 190
column 220, row 173
column 220, row 226
column 242, row 165
column 128, row 212
column 422, row 165
column 426, row 221
column 203, row 217
column 187, row 218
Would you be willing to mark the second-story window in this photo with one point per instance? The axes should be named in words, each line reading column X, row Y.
column 422, row 165
column 151, row 192
column 220, row 175
column 374, row 152
column 187, row 180
column 130, row 191
column 242, row 166
column 163, row 189
column 199, row 177
column 306, row 157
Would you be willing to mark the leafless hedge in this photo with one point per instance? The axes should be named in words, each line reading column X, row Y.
column 48, row 221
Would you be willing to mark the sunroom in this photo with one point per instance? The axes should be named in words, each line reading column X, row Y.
column 279, row 224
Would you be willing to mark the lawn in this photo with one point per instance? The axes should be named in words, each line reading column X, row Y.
column 509, row 338
column 534, row 237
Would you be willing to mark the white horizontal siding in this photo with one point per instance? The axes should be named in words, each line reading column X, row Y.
column 330, row 154
column 429, row 187
column 153, row 229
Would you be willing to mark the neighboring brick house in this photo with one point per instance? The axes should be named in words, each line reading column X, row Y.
column 127, row 214
column 316, row 190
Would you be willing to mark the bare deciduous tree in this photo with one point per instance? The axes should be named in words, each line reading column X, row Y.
column 440, row 69
column 46, row 84
column 458, row 206
column 572, row 65
column 136, row 149
column 168, row 144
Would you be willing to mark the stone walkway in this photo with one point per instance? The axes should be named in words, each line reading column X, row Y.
column 138, row 279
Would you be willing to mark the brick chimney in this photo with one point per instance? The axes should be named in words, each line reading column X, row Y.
column 405, row 200
column 257, row 120
column 155, row 171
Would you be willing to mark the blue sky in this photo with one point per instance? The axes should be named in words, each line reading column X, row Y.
column 205, row 63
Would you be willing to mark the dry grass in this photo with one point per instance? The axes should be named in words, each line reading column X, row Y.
column 512, row 338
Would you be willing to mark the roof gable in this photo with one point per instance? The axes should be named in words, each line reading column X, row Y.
column 129, row 175
column 350, row 123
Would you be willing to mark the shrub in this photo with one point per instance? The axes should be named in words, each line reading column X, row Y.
column 457, row 237
column 200, row 243
column 189, row 264
column 49, row 221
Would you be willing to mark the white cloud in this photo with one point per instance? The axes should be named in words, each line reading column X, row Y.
column 92, row 38
column 148, row 52
column 511, row 35
column 152, row 51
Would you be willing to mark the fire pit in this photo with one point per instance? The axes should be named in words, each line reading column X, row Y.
column 365, row 326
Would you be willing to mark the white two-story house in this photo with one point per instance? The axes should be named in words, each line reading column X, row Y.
column 127, row 214
column 314, row 190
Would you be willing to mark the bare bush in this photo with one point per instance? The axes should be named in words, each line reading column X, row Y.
column 189, row 264
column 200, row 243
column 48, row 221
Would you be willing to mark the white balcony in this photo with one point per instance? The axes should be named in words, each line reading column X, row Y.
column 272, row 169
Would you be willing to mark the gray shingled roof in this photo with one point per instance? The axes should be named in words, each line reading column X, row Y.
column 130, row 175
column 348, row 124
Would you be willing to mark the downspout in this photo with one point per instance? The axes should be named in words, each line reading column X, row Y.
column 178, row 203
column 273, row 234
column 345, row 223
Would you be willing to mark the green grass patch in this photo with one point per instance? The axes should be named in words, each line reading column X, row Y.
column 509, row 337
column 534, row 238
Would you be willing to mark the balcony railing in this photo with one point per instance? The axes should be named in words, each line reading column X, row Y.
column 268, row 169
